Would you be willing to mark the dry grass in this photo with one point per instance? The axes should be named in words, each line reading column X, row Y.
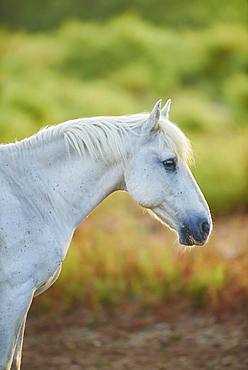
column 120, row 253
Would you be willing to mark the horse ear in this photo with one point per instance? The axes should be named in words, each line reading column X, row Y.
column 166, row 109
column 152, row 121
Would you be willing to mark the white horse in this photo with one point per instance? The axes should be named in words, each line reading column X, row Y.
column 52, row 180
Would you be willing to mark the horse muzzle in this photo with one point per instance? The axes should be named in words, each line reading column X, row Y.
column 195, row 231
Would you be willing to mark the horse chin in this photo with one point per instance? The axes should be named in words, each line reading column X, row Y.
column 189, row 241
column 162, row 217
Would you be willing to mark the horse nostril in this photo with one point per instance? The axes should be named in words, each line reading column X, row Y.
column 205, row 227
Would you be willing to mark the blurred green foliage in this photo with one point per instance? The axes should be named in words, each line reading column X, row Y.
column 123, row 66
column 47, row 14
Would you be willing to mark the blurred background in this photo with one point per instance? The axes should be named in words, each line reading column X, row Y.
column 66, row 59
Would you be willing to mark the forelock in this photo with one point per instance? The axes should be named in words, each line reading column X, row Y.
column 175, row 140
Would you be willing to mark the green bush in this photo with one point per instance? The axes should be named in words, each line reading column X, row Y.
column 47, row 14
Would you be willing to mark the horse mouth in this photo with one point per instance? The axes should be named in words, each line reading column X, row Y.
column 186, row 236
column 189, row 240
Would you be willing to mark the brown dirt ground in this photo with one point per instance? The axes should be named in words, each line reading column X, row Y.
column 175, row 337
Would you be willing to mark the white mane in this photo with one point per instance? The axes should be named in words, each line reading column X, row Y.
column 108, row 137
column 104, row 137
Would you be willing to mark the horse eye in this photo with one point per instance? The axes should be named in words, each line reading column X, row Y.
column 170, row 164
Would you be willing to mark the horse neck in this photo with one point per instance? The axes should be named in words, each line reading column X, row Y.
column 65, row 186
